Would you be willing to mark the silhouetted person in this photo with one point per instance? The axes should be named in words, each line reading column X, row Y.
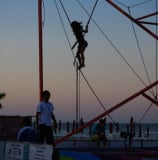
column 99, row 131
column 82, row 43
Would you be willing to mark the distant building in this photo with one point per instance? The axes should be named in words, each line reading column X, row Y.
column 9, row 127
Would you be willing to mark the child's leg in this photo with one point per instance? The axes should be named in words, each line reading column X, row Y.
column 82, row 57
column 78, row 55
column 83, row 47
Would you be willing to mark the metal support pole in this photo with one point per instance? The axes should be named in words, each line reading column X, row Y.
column 40, row 49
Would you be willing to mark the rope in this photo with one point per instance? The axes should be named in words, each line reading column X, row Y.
column 77, row 96
column 61, row 20
column 141, row 3
column 135, row 5
column 68, row 15
column 145, row 113
column 65, row 11
column 92, row 12
column 140, row 52
column 92, row 90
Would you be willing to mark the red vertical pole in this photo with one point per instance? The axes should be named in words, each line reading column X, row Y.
column 40, row 49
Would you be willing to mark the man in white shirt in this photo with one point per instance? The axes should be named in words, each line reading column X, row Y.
column 44, row 117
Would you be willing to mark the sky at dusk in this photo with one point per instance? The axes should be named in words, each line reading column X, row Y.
column 106, row 71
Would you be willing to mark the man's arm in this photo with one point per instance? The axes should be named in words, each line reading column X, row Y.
column 37, row 119
column 55, row 122
column 53, row 117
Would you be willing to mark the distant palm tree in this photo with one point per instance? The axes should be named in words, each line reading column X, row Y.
column 2, row 95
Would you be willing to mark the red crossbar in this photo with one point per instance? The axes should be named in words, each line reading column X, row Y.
column 106, row 113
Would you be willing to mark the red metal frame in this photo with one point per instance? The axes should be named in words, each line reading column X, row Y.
column 147, row 16
column 136, row 20
column 150, row 99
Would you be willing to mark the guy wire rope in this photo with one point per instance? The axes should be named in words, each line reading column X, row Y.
column 145, row 113
column 140, row 53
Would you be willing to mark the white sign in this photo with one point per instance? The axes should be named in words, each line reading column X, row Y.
column 28, row 151
column 41, row 152
column 14, row 151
